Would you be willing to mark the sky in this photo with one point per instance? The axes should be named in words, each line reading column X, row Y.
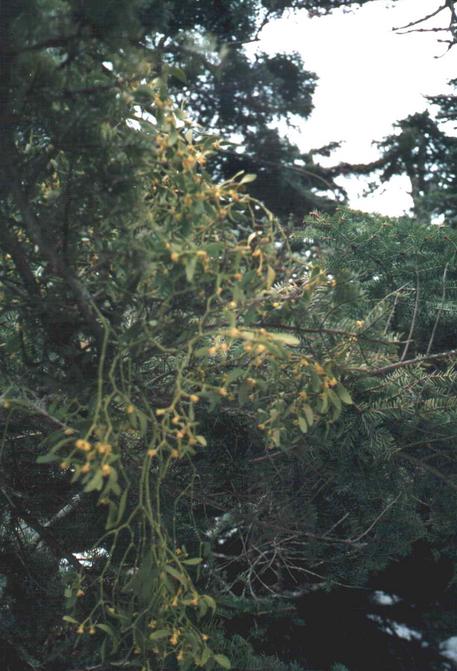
column 369, row 77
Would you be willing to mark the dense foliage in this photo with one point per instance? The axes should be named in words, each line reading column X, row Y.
column 207, row 414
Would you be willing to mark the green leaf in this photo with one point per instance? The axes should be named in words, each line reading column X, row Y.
column 204, row 657
column 96, row 483
column 249, row 177
column 223, row 661
column 210, row 601
column 271, row 275
column 122, row 505
column 316, row 383
column 71, row 620
column 193, row 561
column 302, row 423
column 106, row 628
column 286, row 339
column 343, row 394
column 176, row 574
column 190, row 268
column 178, row 73
column 334, row 399
column 47, row 458
column 309, row 414
column 160, row 633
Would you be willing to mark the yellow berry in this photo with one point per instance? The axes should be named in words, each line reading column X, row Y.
column 152, row 452
column 83, row 445
column 201, row 160
column 189, row 162
column 106, row 470
column 194, row 398
column 80, row 593
column 85, row 468
column 104, row 448
column 174, row 256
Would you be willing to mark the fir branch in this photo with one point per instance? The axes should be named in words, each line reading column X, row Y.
column 383, row 370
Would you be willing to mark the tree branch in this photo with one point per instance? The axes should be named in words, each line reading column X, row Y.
column 82, row 296
column 383, row 370
column 13, row 247
column 45, row 534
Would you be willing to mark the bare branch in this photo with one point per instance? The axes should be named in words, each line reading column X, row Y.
column 417, row 22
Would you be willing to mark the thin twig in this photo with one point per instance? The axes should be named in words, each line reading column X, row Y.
column 413, row 322
column 402, row 364
column 423, row 19
column 443, row 298
column 378, row 518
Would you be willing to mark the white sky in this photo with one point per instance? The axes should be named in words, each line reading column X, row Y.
column 369, row 77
